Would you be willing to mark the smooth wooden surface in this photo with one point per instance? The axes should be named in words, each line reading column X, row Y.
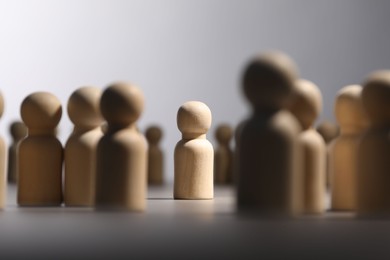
column 268, row 151
column 40, row 153
column 343, row 151
column 80, row 148
column 194, row 154
column 122, row 152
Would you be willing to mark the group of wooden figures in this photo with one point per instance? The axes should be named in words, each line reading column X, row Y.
column 106, row 161
column 281, row 164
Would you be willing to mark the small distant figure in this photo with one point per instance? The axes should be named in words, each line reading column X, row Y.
column 40, row 153
column 155, row 156
column 122, row 152
column 343, row 151
column 269, row 154
column 328, row 130
column 223, row 158
column 18, row 131
column 194, row 154
column 374, row 150
column 306, row 107
column 80, row 148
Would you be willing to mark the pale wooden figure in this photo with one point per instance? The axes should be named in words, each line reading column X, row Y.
column 80, row 149
column 306, row 107
column 223, row 157
column 18, row 131
column 40, row 153
column 3, row 162
column 374, row 151
column 269, row 154
column 155, row 156
column 122, row 151
column 194, row 154
column 329, row 131
column 343, row 151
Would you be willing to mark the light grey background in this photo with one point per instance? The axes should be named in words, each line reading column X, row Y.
column 178, row 50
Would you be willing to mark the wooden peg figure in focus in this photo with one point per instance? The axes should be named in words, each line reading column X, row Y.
column 223, row 158
column 306, row 107
column 40, row 153
column 155, row 156
column 343, row 151
column 269, row 159
column 373, row 191
column 122, row 151
column 18, row 131
column 194, row 154
column 80, row 149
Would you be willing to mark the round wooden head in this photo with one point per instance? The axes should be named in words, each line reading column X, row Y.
column 83, row 107
column 306, row 104
column 376, row 97
column 194, row 118
column 18, row 130
column 328, row 131
column 153, row 134
column 41, row 110
column 349, row 109
column 269, row 79
column 121, row 104
column 224, row 134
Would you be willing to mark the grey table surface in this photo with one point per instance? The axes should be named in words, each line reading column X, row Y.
column 181, row 229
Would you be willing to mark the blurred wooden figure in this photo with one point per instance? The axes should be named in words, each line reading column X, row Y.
column 3, row 162
column 223, row 158
column 329, row 131
column 194, row 154
column 40, row 153
column 343, row 151
column 269, row 154
column 155, row 156
column 122, row 151
column 306, row 107
column 373, row 191
column 80, row 149
column 18, row 131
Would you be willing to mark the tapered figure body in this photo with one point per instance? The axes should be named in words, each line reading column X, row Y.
column 18, row 131
column 40, row 153
column 268, row 158
column 194, row 154
column 223, row 158
column 155, row 156
column 329, row 131
column 122, row 151
column 306, row 107
column 80, row 149
column 374, row 151
column 343, row 151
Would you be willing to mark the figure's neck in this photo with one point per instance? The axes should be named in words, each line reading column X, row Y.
column 187, row 136
column 112, row 128
column 81, row 130
column 42, row 131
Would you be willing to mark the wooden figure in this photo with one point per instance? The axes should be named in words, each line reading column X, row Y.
column 373, row 191
column 194, row 154
column 155, row 156
column 343, row 151
column 306, row 107
column 329, row 131
column 269, row 154
column 122, row 151
column 40, row 153
column 3, row 162
column 223, row 157
column 80, row 149
column 18, row 131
